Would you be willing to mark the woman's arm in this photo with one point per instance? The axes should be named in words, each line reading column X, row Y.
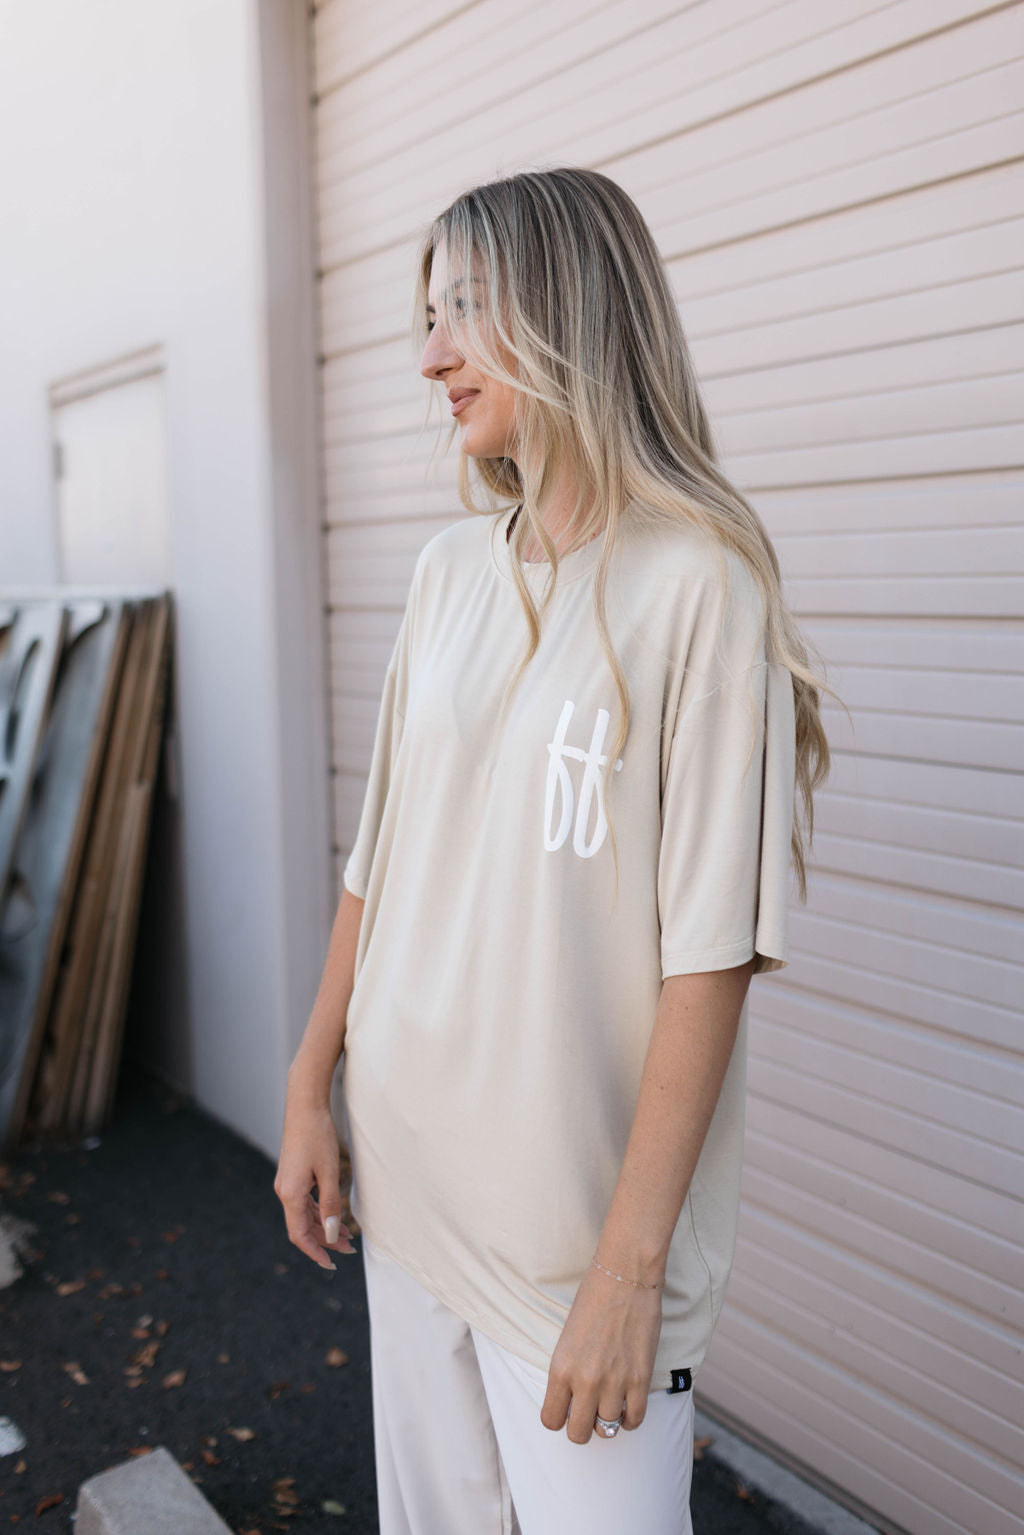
column 694, row 1032
column 312, row 1069
column 606, row 1352
column 309, row 1142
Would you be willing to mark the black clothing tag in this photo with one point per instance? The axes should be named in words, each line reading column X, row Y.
column 682, row 1380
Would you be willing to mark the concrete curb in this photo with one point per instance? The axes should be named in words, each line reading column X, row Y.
column 151, row 1494
column 777, row 1482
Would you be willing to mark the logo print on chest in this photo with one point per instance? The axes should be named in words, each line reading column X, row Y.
column 560, row 787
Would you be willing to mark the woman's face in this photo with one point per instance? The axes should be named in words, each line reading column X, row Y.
column 485, row 407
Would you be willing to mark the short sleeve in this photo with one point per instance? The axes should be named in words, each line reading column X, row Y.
column 387, row 738
column 727, row 822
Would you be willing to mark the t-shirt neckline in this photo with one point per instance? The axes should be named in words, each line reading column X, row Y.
column 570, row 566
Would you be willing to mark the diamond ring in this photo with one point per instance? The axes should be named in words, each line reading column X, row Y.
column 608, row 1427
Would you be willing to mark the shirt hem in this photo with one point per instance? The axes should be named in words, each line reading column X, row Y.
column 699, row 960
column 467, row 1313
column 540, row 1359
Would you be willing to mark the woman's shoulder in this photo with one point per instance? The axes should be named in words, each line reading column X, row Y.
column 457, row 545
column 685, row 564
column 458, row 540
column 693, row 596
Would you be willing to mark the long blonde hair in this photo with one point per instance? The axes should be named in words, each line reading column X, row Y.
column 574, row 310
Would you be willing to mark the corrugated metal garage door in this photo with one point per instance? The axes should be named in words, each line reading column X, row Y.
column 839, row 193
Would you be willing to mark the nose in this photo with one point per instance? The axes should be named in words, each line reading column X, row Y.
column 439, row 355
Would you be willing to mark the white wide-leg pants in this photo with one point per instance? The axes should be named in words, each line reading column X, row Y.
column 460, row 1448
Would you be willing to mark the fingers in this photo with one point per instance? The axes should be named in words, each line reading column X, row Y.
column 576, row 1410
column 556, row 1401
column 636, row 1406
column 335, row 1233
column 302, row 1233
column 306, row 1223
column 581, row 1416
column 607, row 1408
column 589, row 1400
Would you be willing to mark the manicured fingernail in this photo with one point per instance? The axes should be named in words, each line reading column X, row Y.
column 331, row 1228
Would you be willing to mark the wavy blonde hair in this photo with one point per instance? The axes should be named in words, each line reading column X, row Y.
column 572, row 307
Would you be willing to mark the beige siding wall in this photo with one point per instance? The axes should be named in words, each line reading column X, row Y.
column 838, row 192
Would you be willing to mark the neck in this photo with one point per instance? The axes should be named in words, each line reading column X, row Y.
column 555, row 514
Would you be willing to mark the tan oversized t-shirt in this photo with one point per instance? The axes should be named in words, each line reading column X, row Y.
column 504, row 995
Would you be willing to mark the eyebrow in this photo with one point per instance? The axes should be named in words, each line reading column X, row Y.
column 456, row 284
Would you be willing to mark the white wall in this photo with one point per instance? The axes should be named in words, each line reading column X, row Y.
column 141, row 205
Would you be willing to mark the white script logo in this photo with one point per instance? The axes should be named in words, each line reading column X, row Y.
column 559, row 778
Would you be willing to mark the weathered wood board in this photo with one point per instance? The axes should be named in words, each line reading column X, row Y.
column 69, row 907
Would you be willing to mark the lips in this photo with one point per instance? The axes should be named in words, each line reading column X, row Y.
column 460, row 398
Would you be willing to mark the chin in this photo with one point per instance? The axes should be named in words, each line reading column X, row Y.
column 475, row 447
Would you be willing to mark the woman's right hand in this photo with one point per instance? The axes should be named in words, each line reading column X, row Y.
column 310, row 1155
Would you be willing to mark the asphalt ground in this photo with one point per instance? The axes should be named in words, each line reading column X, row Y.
column 160, row 1302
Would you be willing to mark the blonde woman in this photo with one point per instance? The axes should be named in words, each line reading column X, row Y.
column 573, row 854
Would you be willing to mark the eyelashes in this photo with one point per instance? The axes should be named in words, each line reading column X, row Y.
column 460, row 309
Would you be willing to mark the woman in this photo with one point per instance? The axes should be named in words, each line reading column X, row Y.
column 573, row 854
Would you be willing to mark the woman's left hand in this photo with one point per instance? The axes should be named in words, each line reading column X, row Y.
column 604, row 1357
